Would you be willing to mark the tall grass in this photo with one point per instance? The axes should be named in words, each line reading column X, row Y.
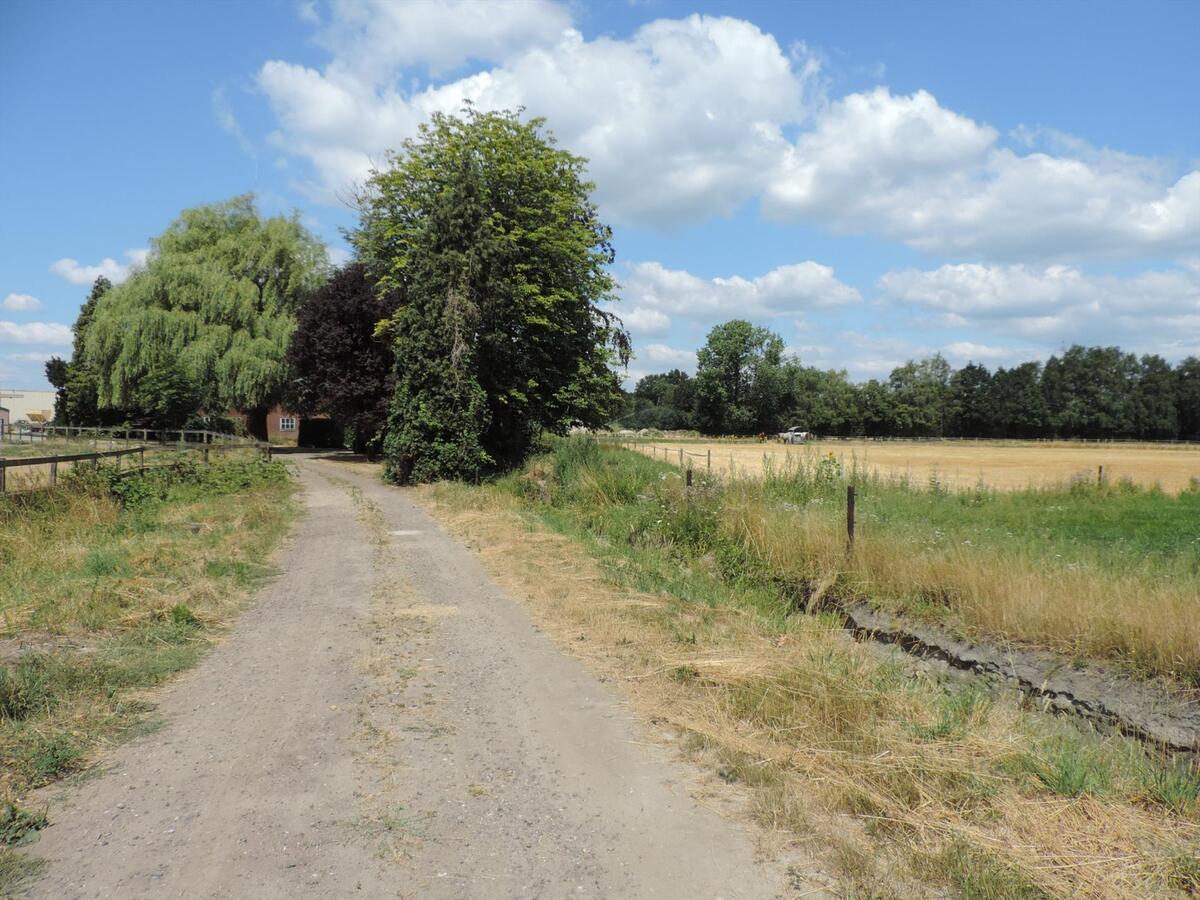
column 1103, row 572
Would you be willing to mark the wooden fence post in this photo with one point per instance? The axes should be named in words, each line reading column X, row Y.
column 141, row 460
column 3, row 467
column 54, row 473
column 681, row 457
column 710, row 459
column 850, row 516
column 689, row 478
column 1100, row 477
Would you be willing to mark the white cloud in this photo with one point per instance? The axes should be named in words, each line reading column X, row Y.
column 375, row 37
column 640, row 320
column 907, row 168
column 306, row 10
column 667, row 357
column 959, row 353
column 21, row 303
column 76, row 273
column 787, row 289
column 1056, row 303
column 690, row 118
column 680, row 121
column 48, row 333
column 339, row 256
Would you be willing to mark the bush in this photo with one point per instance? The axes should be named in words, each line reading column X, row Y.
column 186, row 477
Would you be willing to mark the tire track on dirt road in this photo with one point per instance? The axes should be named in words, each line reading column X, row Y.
column 385, row 722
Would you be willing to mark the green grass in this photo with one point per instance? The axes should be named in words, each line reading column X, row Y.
column 1100, row 571
column 114, row 586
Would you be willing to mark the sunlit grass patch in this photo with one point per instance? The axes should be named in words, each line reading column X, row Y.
column 105, row 594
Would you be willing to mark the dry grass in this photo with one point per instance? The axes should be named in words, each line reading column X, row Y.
column 1004, row 465
column 1079, row 608
column 99, row 603
column 904, row 783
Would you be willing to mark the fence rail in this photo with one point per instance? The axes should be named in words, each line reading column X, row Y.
column 94, row 457
column 73, row 458
column 46, row 433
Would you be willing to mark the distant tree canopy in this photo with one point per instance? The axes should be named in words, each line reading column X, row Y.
column 742, row 381
column 746, row 385
column 340, row 367
column 206, row 323
column 488, row 232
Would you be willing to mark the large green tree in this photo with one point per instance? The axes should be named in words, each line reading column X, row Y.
column 1153, row 407
column 742, row 380
column 972, row 402
column 205, row 324
column 921, row 397
column 1018, row 402
column 824, row 401
column 488, row 230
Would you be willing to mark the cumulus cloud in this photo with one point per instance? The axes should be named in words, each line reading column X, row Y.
column 909, row 169
column 373, row 38
column 787, row 289
column 690, row 118
column 680, row 121
column 1055, row 303
column 20, row 303
column 46, row 333
column 77, row 273
column 666, row 357
column 640, row 320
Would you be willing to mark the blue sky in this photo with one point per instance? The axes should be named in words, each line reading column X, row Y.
column 873, row 181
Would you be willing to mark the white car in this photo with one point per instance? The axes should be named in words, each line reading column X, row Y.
column 795, row 435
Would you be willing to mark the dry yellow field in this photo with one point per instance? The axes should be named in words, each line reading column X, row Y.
column 1004, row 465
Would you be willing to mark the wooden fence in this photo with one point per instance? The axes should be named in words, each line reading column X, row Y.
column 41, row 434
column 74, row 459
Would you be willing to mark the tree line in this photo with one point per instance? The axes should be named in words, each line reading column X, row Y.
column 471, row 320
column 746, row 384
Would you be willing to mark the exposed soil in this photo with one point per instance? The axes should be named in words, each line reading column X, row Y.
column 386, row 722
column 1142, row 709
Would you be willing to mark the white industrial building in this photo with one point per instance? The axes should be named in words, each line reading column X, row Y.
column 27, row 406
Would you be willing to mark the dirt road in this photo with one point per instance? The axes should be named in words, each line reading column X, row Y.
column 385, row 722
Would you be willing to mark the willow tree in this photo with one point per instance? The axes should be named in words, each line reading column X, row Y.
column 488, row 231
column 205, row 324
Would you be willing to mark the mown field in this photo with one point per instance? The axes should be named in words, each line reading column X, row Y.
column 1003, row 465
column 907, row 782
column 108, row 587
